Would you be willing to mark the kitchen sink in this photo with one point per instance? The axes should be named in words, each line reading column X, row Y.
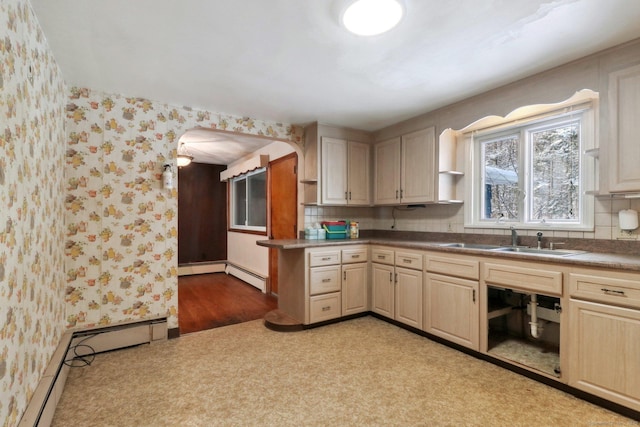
column 469, row 245
column 535, row 251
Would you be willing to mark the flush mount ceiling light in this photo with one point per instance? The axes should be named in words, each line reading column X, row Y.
column 183, row 158
column 372, row 17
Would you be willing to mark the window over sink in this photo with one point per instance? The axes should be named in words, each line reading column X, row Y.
column 534, row 171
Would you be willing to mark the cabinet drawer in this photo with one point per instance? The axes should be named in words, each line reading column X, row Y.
column 540, row 280
column 411, row 260
column 324, row 307
column 324, row 258
column 382, row 256
column 324, row 279
column 617, row 289
column 354, row 255
column 453, row 266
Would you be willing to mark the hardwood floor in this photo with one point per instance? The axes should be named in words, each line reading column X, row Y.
column 207, row 301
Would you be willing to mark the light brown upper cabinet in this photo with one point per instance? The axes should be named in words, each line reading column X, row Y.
column 404, row 169
column 345, row 172
column 624, row 148
column 337, row 163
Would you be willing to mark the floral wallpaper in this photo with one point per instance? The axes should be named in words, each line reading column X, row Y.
column 121, row 225
column 32, row 231
column 88, row 236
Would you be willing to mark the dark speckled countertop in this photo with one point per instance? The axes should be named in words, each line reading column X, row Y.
column 588, row 259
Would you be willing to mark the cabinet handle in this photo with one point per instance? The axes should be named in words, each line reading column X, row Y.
column 381, row 257
column 349, row 195
column 327, row 308
column 344, row 273
column 474, row 295
column 396, row 278
column 355, row 256
column 390, row 276
column 326, row 280
column 406, row 260
column 345, row 195
column 396, row 194
column 327, row 258
column 613, row 291
column 401, row 191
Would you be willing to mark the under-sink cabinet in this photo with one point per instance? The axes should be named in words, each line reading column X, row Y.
column 521, row 320
column 451, row 299
column 397, row 285
column 605, row 335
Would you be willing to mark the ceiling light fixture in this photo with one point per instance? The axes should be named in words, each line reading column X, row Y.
column 183, row 158
column 372, row 17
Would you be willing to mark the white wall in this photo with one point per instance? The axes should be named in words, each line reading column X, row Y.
column 242, row 249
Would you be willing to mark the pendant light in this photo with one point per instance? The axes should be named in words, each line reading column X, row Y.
column 372, row 17
column 183, row 158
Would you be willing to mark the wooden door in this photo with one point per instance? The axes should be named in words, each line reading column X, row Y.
column 283, row 208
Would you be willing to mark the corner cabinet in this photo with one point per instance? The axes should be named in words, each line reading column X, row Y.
column 345, row 172
column 337, row 164
column 404, row 169
column 624, row 149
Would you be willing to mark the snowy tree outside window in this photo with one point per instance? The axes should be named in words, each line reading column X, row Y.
column 532, row 173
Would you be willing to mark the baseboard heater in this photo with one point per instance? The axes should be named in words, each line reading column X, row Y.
column 248, row 276
column 251, row 277
column 42, row 405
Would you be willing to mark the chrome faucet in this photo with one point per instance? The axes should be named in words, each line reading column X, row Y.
column 539, row 234
column 514, row 236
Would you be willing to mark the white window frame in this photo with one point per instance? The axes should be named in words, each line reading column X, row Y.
column 585, row 112
column 232, row 206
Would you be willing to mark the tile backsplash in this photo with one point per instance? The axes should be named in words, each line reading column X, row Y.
column 450, row 219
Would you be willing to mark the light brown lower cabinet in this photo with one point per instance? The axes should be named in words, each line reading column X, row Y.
column 605, row 351
column 452, row 310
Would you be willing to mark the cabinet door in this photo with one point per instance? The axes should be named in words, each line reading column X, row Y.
column 624, row 150
column 417, row 181
column 452, row 309
column 359, row 184
column 408, row 297
column 382, row 290
column 354, row 288
column 605, row 351
column 334, row 171
column 387, row 172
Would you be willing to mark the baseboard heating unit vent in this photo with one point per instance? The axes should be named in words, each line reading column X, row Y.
column 79, row 346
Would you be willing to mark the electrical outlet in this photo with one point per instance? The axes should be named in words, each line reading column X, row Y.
column 449, row 228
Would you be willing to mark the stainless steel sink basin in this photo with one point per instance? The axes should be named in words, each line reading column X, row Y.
column 469, row 245
column 535, row 251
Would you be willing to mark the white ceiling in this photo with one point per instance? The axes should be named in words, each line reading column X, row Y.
column 291, row 61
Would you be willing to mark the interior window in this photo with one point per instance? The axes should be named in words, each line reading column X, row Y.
column 249, row 201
